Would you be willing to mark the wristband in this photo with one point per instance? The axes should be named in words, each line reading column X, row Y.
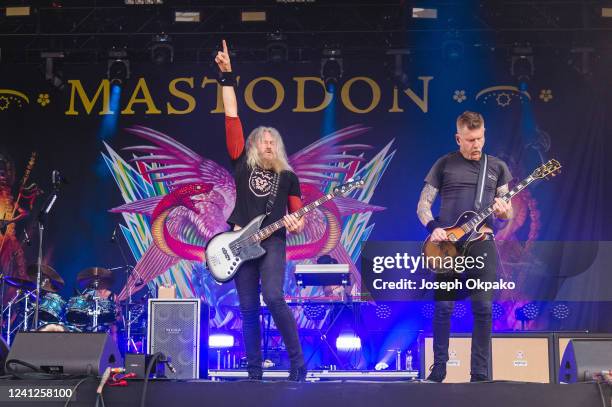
column 432, row 225
column 227, row 79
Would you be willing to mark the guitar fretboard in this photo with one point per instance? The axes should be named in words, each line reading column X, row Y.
column 273, row 227
column 468, row 227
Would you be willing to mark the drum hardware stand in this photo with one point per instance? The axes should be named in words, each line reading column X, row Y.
column 56, row 180
column 26, row 313
column 127, row 313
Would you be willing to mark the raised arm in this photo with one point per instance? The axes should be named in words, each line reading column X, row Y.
column 234, row 136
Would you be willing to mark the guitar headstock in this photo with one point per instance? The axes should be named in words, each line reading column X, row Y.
column 549, row 169
column 349, row 186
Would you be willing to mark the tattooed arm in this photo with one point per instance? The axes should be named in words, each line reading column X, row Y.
column 501, row 208
column 428, row 196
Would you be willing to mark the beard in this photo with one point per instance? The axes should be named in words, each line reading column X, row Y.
column 273, row 164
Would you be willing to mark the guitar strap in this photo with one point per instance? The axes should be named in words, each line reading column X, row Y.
column 273, row 192
column 482, row 177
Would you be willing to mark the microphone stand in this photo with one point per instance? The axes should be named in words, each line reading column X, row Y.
column 41, row 228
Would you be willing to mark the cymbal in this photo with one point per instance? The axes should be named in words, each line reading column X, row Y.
column 20, row 283
column 50, row 279
column 92, row 276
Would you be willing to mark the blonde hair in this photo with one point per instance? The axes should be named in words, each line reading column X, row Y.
column 281, row 163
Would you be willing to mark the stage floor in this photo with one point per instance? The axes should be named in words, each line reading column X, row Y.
column 322, row 394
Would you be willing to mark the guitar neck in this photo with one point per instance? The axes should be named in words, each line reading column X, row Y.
column 470, row 226
column 273, row 227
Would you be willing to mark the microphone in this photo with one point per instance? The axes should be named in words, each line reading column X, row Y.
column 113, row 238
column 26, row 239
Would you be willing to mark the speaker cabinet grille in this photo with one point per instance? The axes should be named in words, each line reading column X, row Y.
column 178, row 328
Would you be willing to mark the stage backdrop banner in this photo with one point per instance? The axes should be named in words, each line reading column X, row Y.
column 127, row 152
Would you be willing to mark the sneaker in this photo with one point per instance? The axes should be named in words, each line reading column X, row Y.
column 477, row 377
column 437, row 373
column 297, row 374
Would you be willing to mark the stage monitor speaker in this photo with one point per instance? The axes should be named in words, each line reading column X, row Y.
column 458, row 365
column 179, row 329
column 562, row 339
column 583, row 358
column 523, row 357
column 64, row 352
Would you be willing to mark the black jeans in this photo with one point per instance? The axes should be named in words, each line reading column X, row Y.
column 271, row 270
column 481, row 310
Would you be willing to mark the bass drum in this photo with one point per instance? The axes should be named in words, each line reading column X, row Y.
column 78, row 310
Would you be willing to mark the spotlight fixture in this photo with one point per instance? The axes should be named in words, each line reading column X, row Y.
column 221, row 341
column 314, row 312
column 348, row 342
column 459, row 311
column 118, row 66
column 331, row 68
column 162, row 50
column 522, row 67
column 560, row 311
column 427, row 310
column 497, row 311
column 276, row 48
column 52, row 74
column 383, row 311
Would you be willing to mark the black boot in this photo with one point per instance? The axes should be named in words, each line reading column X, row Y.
column 478, row 377
column 297, row 374
column 437, row 373
column 255, row 374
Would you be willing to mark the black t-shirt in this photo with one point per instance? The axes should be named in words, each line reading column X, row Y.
column 253, row 187
column 457, row 179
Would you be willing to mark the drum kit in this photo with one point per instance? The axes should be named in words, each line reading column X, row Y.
column 93, row 309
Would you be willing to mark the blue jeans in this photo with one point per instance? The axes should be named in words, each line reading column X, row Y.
column 481, row 310
column 271, row 270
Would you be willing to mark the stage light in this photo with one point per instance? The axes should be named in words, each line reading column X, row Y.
column 277, row 48
column 221, row 341
column 331, row 68
column 383, row 311
column 522, row 66
column 497, row 311
column 560, row 311
column 531, row 310
column 453, row 50
column 118, row 66
column 396, row 66
column 187, row 16
column 253, row 16
column 381, row 366
column 162, row 50
column 429, row 13
column 314, row 312
column 427, row 310
column 348, row 342
column 52, row 73
column 459, row 311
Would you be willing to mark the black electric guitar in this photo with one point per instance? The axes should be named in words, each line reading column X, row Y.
column 468, row 227
column 227, row 251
